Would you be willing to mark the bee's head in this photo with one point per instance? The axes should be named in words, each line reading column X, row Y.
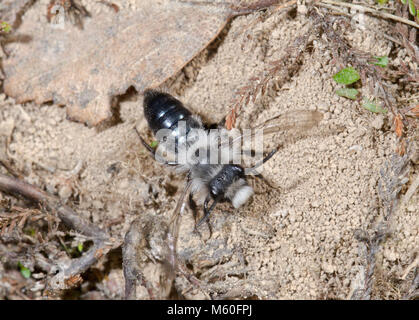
column 230, row 183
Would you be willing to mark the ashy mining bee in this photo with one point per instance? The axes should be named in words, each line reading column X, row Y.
column 194, row 149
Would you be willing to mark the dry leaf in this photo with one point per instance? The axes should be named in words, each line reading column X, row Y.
column 230, row 120
column 398, row 125
column 84, row 69
column 413, row 111
column 401, row 147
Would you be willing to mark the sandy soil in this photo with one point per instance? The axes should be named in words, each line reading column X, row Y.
column 292, row 241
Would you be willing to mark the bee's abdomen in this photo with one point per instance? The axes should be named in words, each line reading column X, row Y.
column 163, row 111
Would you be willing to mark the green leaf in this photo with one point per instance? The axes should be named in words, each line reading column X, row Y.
column 412, row 8
column 347, row 76
column 30, row 232
column 154, row 144
column 372, row 106
column 5, row 27
column 403, row 1
column 381, row 61
column 347, row 93
column 26, row 273
column 382, row 1
column 80, row 247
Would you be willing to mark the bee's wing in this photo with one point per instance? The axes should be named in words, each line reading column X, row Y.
column 292, row 122
column 175, row 223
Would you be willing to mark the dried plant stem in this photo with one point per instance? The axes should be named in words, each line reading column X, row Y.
column 132, row 272
column 370, row 10
column 102, row 243
column 411, row 191
column 393, row 177
column 238, row 9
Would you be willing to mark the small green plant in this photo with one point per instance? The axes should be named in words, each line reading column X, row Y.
column 30, row 232
column 5, row 27
column 154, row 144
column 347, row 76
column 349, row 93
column 380, row 61
column 412, row 9
column 80, row 247
column 373, row 106
column 26, row 273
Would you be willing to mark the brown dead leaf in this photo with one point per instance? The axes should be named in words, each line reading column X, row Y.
column 413, row 111
column 401, row 147
column 84, row 69
column 398, row 125
column 230, row 121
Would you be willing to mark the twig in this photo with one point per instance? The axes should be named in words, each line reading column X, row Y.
column 370, row 10
column 9, row 168
column 393, row 177
column 392, row 39
column 336, row 9
column 132, row 273
column 102, row 243
column 238, row 10
column 412, row 266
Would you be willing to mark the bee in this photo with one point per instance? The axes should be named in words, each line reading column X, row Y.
column 181, row 133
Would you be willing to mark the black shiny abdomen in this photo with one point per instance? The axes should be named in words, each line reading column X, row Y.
column 163, row 111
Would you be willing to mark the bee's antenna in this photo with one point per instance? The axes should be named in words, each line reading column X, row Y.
column 257, row 165
column 145, row 144
column 153, row 151
column 270, row 155
column 207, row 211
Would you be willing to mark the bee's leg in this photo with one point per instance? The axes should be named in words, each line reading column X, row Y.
column 192, row 205
column 253, row 170
column 253, row 154
column 270, row 155
column 258, row 174
column 207, row 211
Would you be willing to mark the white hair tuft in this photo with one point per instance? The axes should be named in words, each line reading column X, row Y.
column 241, row 196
